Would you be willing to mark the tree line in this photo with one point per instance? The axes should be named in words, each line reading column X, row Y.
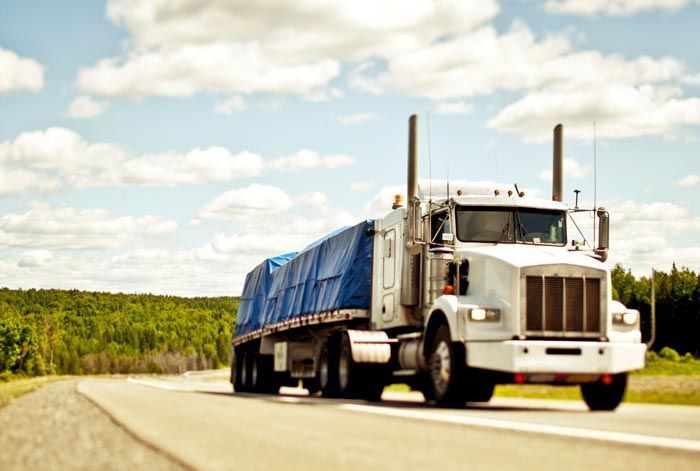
column 78, row 332
column 677, row 305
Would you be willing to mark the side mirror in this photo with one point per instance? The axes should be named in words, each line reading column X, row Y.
column 447, row 238
column 603, row 234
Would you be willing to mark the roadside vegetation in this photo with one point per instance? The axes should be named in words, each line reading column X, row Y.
column 12, row 387
column 53, row 332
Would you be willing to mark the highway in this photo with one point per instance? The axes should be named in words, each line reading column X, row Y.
column 202, row 425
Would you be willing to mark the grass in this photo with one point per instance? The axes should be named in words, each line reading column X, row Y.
column 11, row 388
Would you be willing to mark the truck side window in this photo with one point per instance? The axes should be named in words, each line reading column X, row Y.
column 439, row 224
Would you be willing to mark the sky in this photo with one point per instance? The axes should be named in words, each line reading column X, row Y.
column 169, row 146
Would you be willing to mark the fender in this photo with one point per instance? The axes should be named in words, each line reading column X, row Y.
column 448, row 305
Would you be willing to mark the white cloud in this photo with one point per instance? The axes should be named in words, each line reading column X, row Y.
column 278, row 46
column 60, row 158
column 572, row 169
column 453, row 107
column 86, row 107
column 691, row 79
column 19, row 73
column 620, row 112
column 231, row 106
column 688, row 181
column 641, row 235
column 59, row 149
column 483, row 61
column 306, row 159
column 253, row 200
column 357, row 118
column 612, row 7
column 217, row 67
column 34, row 258
column 63, row 227
column 363, row 186
column 169, row 169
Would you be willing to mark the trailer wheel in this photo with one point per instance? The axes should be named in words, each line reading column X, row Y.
column 237, row 371
column 328, row 369
column 600, row 396
column 264, row 378
column 243, row 372
column 447, row 369
column 358, row 380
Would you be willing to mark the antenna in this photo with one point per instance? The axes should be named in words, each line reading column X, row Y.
column 448, row 180
column 430, row 164
column 595, row 179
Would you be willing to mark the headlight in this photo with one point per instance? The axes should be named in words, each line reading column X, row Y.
column 485, row 315
column 629, row 318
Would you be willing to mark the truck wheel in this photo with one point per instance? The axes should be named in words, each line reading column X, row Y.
column 346, row 373
column 243, row 372
column 480, row 391
column 447, row 368
column 236, row 372
column 327, row 370
column 264, row 378
column 599, row 396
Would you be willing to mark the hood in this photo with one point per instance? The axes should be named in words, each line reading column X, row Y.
column 526, row 255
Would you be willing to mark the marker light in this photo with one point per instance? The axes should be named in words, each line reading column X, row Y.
column 519, row 378
column 606, row 379
column 448, row 289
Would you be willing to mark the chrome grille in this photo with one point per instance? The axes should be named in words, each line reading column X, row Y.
column 566, row 306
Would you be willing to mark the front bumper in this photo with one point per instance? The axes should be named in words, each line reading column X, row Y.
column 556, row 356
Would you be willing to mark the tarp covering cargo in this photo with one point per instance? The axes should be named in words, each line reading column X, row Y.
column 257, row 285
column 332, row 273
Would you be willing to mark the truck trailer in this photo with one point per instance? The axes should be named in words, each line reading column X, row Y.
column 451, row 294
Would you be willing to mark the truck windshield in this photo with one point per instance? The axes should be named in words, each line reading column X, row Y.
column 524, row 225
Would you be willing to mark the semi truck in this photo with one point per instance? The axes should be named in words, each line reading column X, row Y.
column 451, row 294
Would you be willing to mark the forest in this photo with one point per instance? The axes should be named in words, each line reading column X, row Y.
column 76, row 332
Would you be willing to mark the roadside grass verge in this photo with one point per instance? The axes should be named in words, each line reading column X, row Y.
column 11, row 388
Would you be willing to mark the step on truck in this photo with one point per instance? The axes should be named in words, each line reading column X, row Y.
column 451, row 294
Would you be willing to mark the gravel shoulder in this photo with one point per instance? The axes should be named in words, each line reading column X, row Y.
column 55, row 428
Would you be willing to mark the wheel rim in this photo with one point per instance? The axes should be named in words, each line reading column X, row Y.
column 440, row 368
column 323, row 370
column 344, row 369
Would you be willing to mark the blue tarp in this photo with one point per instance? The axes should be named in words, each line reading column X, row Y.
column 332, row 273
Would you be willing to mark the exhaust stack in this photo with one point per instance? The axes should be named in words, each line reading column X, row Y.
column 410, row 269
column 558, row 163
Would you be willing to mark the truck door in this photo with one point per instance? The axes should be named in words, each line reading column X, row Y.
column 389, row 267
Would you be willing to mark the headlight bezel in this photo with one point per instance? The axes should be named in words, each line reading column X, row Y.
column 628, row 319
column 484, row 314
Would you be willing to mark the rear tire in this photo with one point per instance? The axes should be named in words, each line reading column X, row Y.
column 265, row 380
column 358, row 380
column 446, row 366
column 605, row 397
column 328, row 369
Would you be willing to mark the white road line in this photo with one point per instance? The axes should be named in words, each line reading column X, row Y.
column 600, row 435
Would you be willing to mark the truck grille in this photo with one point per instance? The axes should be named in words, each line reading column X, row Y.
column 562, row 305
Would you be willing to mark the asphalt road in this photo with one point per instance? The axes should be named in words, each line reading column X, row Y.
column 203, row 426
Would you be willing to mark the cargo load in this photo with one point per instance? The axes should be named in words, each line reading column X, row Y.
column 332, row 273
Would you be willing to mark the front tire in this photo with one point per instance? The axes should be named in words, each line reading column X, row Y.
column 605, row 397
column 446, row 366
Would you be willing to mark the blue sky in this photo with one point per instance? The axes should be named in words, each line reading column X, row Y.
column 169, row 146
